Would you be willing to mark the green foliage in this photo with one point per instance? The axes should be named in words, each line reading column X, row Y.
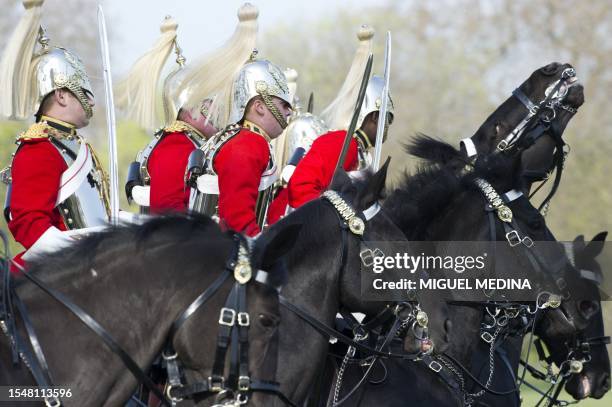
column 453, row 62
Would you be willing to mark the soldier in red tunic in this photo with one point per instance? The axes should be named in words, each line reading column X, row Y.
column 55, row 181
column 314, row 172
column 156, row 180
column 238, row 168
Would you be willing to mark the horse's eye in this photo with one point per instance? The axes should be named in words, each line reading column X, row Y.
column 267, row 321
column 551, row 69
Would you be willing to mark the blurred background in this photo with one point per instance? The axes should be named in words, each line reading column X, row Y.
column 454, row 62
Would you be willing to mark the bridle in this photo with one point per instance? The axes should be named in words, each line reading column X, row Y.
column 553, row 99
column 579, row 353
column 497, row 315
column 234, row 321
column 537, row 121
column 524, row 135
column 353, row 227
column 495, row 323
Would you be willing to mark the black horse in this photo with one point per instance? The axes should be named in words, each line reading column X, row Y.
column 572, row 343
column 136, row 281
column 427, row 197
column 547, row 114
column 441, row 205
column 324, row 277
column 587, row 344
column 436, row 204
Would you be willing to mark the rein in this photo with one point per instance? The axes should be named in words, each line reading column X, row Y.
column 354, row 224
column 234, row 314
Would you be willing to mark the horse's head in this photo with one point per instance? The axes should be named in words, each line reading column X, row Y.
column 534, row 99
column 575, row 332
column 444, row 205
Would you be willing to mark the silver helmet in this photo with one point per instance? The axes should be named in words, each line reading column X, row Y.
column 372, row 100
column 173, row 96
column 58, row 68
column 259, row 78
column 302, row 130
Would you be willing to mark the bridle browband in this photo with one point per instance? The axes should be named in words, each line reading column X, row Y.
column 234, row 321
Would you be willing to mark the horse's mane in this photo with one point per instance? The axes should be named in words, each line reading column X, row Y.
column 131, row 238
column 420, row 197
column 312, row 214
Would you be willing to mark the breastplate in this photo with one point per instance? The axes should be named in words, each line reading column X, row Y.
column 205, row 199
column 88, row 206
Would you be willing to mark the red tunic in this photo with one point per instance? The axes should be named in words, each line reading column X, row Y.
column 314, row 172
column 239, row 164
column 166, row 166
column 278, row 207
column 36, row 172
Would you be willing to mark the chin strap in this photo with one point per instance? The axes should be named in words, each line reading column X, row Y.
column 273, row 109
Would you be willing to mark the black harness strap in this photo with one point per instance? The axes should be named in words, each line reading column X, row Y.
column 332, row 333
column 92, row 324
column 40, row 370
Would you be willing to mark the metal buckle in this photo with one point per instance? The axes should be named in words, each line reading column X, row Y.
column 225, row 314
column 502, row 145
column 244, row 383
column 527, row 241
column 513, row 238
column 170, row 396
column 487, row 337
column 169, row 357
column 243, row 319
column 52, row 402
column 367, row 257
column 378, row 252
column 568, row 73
column 435, row 366
column 216, row 384
column 242, row 399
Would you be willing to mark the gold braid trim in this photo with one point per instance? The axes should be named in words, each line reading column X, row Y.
column 48, row 127
column 179, row 126
column 272, row 108
column 255, row 129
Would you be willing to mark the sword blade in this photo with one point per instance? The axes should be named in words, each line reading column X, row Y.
column 110, row 118
column 310, row 102
column 353, row 124
column 382, row 114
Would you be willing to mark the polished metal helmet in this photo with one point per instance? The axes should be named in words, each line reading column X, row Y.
column 302, row 130
column 174, row 98
column 259, row 78
column 58, row 68
column 373, row 99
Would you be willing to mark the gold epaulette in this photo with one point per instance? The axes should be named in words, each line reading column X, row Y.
column 38, row 130
column 179, row 126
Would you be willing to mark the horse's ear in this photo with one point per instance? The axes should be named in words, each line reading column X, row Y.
column 374, row 187
column 595, row 246
column 279, row 244
column 340, row 179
